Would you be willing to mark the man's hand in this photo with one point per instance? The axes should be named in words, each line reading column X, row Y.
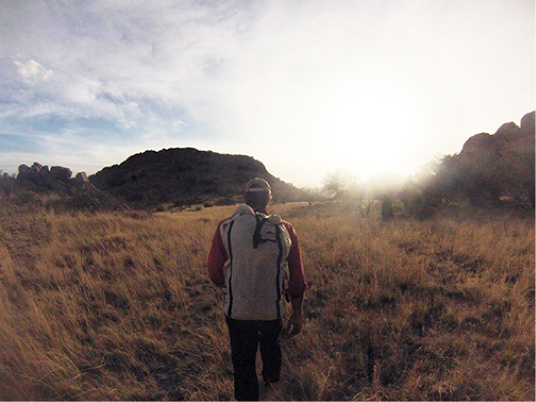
column 294, row 325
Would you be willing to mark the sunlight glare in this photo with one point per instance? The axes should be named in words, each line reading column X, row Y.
column 370, row 133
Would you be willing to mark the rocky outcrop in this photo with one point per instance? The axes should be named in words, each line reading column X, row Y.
column 39, row 178
column 78, row 192
column 507, row 139
column 494, row 168
column 57, row 179
column 185, row 176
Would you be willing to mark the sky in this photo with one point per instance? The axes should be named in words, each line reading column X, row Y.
column 306, row 87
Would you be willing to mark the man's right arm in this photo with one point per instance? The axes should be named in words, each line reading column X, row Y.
column 295, row 321
column 297, row 284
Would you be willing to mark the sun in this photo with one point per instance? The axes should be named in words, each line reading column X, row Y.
column 371, row 132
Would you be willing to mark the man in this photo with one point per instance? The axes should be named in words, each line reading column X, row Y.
column 257, row 258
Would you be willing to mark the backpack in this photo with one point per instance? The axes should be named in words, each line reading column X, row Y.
column 256, row 272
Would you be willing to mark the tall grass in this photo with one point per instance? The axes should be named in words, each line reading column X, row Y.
column 119, row 307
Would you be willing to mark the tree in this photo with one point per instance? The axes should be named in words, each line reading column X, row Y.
column 312, row 194
column 340, row 184
column 7, row 182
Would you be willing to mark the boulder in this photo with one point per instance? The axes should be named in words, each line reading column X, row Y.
column 29, row 174
column 479, row 143
column 508, row 132
column 82, row 177
column 24, row 169
column 79, row 181
column 60, row 173
column 44, row 174
column 527, row 125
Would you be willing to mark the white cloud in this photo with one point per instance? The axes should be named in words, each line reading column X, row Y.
column 179, row 125
column 32, row 72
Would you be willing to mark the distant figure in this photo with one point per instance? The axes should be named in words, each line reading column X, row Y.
column 257, row 258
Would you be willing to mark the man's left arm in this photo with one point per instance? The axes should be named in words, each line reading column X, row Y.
column 216, row 259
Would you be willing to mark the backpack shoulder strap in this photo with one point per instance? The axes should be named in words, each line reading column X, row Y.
column 261, row 220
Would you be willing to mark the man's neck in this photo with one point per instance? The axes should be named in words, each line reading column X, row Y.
column 263, row 210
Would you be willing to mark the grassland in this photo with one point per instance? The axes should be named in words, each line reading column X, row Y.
column 118, row 306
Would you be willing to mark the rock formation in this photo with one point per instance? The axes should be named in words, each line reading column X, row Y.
column 494, row 168
column 42, row 179
column 509, row 137
column 78, row 192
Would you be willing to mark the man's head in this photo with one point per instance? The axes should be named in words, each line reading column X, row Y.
column 258, row 194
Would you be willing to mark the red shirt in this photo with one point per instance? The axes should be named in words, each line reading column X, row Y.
column 296, row 283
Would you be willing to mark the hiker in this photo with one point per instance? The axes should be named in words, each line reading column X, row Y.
column 257, row 258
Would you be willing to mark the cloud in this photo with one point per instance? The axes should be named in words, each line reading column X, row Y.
column 289, row 82
column 32, row 72
column 106, row 56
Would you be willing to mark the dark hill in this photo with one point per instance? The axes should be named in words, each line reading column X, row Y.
column 185, row 176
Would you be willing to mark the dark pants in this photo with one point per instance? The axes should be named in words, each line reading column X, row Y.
column 245, row 336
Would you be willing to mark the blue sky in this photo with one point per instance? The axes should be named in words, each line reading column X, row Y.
column 306, row 87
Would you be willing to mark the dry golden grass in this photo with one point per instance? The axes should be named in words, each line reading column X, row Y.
column 119, row 307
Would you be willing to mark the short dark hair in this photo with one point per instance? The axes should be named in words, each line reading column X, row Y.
column 257, row 199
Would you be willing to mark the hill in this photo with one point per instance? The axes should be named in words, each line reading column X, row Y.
column 185, row 176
